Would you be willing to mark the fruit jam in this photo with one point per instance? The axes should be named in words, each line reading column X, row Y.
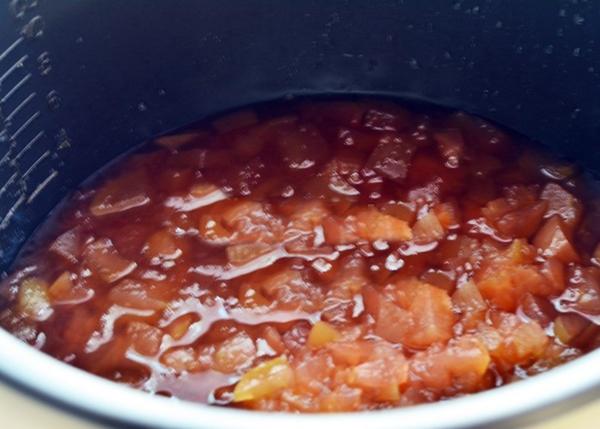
column 318, row 256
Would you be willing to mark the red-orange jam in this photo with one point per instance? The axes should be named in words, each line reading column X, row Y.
column 319, row 256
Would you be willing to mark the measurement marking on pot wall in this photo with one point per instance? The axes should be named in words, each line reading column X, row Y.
column 9, row 182
column 6, row 157
column 7, row 217
column 15, row 88
column 11, row 48
column 20, row 106
column 36, row 163
column 28, row 146
column 12, row 68
column 39, row 188
column 25, row 125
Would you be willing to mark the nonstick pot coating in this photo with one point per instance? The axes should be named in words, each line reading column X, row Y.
column 81, row 82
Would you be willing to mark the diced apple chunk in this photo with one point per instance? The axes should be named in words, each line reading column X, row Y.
column 373, row 225
column 68, row 245
column 265, row 380
column 432, row 315
column 119, row 195
column 553, row 241
column 234, row 353
column 461, row 364
column 104, row 260
column 428, row 228
column 137, row 294
column 33, row 299
column 471, row 304
column 145, row 338
column 562, row 203
column 321, row 334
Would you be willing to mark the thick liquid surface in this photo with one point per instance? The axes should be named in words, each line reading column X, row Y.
column 319, row 256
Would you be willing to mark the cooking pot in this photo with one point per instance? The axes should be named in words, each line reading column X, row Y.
column 84, row 81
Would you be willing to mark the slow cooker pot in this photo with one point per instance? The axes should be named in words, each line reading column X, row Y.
column 84, row 81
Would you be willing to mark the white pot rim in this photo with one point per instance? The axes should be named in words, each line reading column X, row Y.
column 539, row 396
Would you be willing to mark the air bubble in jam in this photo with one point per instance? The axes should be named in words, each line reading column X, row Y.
column 318, row 256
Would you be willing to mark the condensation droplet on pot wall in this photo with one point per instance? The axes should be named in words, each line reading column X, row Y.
column 44, row 63
column 34, row 28
column 578, row 19
column 54, row 100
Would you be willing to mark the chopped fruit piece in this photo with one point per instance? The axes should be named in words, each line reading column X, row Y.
column 212, row 230
column 66, row 289
column 428, row 228
column 470, row 303
column 305, row 215
column 553, row 241
column 538, row 308
column 392, row 323
column 583, row 294
column 179, row 327
column 343, row 398
column 495, row 209
column 432, row 315
column 62, row 286
column 519, row 252
column 462, row 364
column 145, row 339
column 137, row 294
column 264, row 380
column 499, row 288
column 234, row 353
column 373, row 225
column 104, row 261
column 321, row 334
column 554, row 271
column 239, row 254
column 302, row 148
column 340, row 231
column 251, row 297
column 400, row 210
column 198, row 196
column 181, row 360
column 522, row 222
column 161, row 246
column 503, row 286
column 438, row 278
column 391, row 158
column 120, row 195
column 68, row 245
column 562, row 203
column 514, row 342
column 350, row 353
column 386, row 117
column 447, row 215
column 382, row 375
column 574, row 330
column 33, row 299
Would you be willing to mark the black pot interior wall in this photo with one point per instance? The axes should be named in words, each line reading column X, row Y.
column 81, row 82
